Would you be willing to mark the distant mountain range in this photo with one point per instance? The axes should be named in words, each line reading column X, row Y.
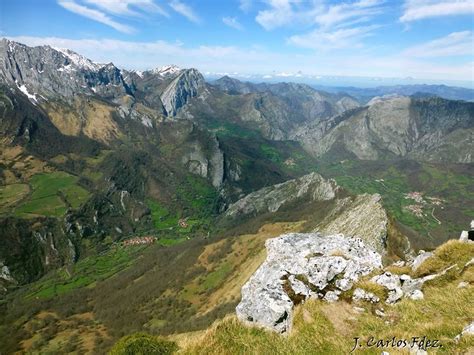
column 365, row 94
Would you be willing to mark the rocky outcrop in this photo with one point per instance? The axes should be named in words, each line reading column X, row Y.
column 420, row 258
column 44, row 72
column 6, row 279
column 399, row 286
column 468, row 235
column 185, row 86
column 206, row 160
column 467, row 330
column 364, row 218
column 271, row 198
column 397, row 126
column 299, row 266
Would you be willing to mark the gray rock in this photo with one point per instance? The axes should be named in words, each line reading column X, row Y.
column 332, row 296
column 464, row 237
column 388, row 280
column 463, row 284
column 468, row 329
column 422, row 256
column 392, row 283
column 364, row 218
column 184, row 87
column 299, row 266
column 362, row 295
column 44, row 72
column 394, row 296
column 272, row 198
column 416, row 295
column 205, row 160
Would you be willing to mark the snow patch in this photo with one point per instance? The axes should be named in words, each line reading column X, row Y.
column 139, row 73
column 167, row 70
column 79, row 60
column 146, row 121
column 24, row 90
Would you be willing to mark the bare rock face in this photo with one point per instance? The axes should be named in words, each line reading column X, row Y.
column 185, row 86
column 43, row 72
column 299, row 266
column 272, row 198
column 6, row 279
column 364, row 218
column 206, row 161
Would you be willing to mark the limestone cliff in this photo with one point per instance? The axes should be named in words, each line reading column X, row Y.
column 271, row 198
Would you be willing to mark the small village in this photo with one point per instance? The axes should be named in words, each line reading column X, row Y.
column 182, row 223
column 421, row 203
column 139, row 241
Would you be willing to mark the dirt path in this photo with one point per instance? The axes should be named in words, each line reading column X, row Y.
column 436, row 219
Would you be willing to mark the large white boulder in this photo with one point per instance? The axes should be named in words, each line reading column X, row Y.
column 299, row 266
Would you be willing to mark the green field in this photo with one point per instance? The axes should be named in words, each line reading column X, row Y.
column 12, row 194
column 52, row 194
column 392, row 180
column 84, row 273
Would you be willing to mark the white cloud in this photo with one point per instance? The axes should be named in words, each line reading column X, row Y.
column 146, row 55
column 421, row 9
column 454, row 44
column 245, row 5
column 334, row 26
column 340, row 38
column 94, row 15
column 127, row 7
column 295, row 12
column 232, row 22
column 279, row 14
column 355, row 12
column 185, row 10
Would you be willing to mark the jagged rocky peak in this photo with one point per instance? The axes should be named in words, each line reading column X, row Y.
column 79, row 60
column 44, row 72
column 185, row 86
column 234, row 86
column 271, row 198
column 167, row 70
column 299, row 266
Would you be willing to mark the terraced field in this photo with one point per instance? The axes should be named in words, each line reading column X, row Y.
column 51, row 195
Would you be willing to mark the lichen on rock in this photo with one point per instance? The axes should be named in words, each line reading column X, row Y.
column 300, row 266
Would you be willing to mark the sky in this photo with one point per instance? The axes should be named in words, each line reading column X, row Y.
column 346, row 41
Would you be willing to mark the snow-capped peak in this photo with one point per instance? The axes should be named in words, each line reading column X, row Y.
column 79, row 60
column 167, row 70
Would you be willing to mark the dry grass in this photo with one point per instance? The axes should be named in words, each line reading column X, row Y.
column 451, row 252
column 245, row 255
column 91, row 117
column 82, row 329
column 321, row 328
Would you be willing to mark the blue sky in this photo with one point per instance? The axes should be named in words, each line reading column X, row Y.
column 424, row 40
